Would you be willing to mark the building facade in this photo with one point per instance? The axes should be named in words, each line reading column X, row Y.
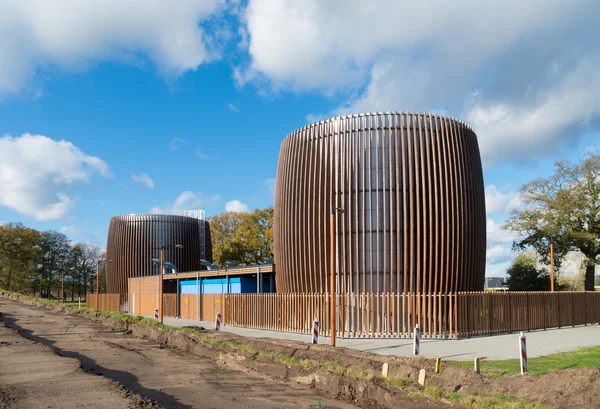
column 408, row 194
column 135, row 239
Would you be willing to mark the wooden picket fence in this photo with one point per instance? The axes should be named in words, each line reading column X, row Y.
column 496, row 313
column 391, row 315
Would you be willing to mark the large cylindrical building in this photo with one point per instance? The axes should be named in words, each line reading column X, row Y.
column 135, row 239
column 409, row 203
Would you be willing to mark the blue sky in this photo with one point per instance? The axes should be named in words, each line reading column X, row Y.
column 110, row 108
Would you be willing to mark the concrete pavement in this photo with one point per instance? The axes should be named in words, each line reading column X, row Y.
column 496, row 347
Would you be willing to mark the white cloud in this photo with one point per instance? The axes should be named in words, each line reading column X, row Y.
column 38, row 173
column 70, row 230
column 497, row 201
column 310, row 51
column 524, row 76
column 201, row 154
column 497, row 235
column 271, row 184
column 72, row 35
column 499, row 254
column 176, row 143
column 187, row 201
column 232, row 107
column 143, row 179
column 515, row 129
column 236, row 206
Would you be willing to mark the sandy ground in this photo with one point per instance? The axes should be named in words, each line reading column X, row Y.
column 177, row 370
column 33, row 376
column 172, row 378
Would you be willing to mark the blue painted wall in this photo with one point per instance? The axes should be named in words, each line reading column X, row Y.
column 237, row 285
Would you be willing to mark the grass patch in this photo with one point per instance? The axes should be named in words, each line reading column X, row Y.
column 579, row 358
column 494, row 401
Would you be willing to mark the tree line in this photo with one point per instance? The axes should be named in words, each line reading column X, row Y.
column 562, row 209
column 32, row 262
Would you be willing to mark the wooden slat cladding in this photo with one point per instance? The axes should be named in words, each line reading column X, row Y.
column 456, row 315
column 411, row 186
column 135, row 239
column 106, row 302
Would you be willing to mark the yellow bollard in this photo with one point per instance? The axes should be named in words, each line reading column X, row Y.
column 438, row 365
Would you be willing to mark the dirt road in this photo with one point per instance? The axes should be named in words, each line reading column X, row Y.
column 32, row 375
column 172, row 378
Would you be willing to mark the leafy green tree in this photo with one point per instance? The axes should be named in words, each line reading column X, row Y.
column 242, row 238
column 19, row 253
column 563, row 209
column 523, row 275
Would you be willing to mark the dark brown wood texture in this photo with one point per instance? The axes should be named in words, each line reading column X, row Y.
column 134, row 240
column 411, row 186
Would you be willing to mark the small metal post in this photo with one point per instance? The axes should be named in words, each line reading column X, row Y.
column 476, row 366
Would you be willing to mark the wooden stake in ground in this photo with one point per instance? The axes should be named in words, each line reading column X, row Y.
column 438, row 365
column 385, row 370
column 422, row 377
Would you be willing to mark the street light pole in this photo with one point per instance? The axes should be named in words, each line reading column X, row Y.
column 160, row 286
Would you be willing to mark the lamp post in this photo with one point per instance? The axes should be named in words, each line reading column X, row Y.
column 334, row 211
column 160, row 279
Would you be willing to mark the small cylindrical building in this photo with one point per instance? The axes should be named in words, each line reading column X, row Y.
column 408, row 194
column 135, row 239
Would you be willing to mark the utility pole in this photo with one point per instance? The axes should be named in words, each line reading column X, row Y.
column 551, row 267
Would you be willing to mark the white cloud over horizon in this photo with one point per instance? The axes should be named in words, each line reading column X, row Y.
column 236, row 206
column 37, row 175
column 74, row 35
column 187, row 200
column 143, row 179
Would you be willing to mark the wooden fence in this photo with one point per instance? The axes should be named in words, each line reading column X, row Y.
column 396, row 315
column 495, row 313
column 106, row 302
column 357, row 315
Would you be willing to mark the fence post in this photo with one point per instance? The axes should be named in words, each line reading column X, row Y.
column 416, row 340
column 218, row 321
column 523, row 353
